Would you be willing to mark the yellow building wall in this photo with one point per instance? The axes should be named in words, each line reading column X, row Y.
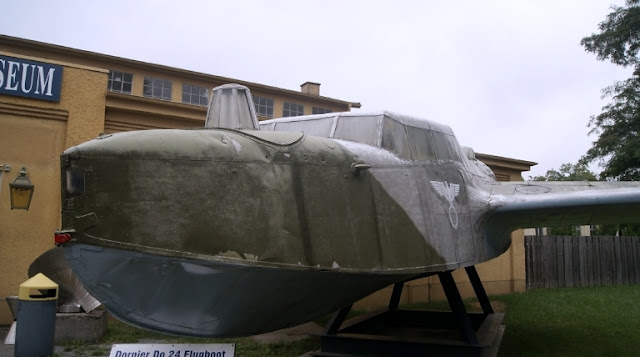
column 307, row 100
column 33, row 133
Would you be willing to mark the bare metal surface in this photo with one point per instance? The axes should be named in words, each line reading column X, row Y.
column 231, row 107
column 72, row 294
column 12, row 301
column 221, row 232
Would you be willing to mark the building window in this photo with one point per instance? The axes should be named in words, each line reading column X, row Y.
column 316, row 110
column 120, row 82
column 264, row 106
column 157, row 88
column 195, row 95
column 292, row 109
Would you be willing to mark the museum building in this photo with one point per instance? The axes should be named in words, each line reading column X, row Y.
column 54, row 97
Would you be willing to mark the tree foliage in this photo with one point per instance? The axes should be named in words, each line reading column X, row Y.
column 568, row 172
column 618, row 146
column 619, row 37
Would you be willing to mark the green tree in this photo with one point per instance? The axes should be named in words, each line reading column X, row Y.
column 617, row 148
column 568, row 172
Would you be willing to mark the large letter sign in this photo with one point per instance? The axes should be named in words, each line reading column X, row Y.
column 31, row 79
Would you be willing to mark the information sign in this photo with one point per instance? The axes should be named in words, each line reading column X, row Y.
column 173, row 350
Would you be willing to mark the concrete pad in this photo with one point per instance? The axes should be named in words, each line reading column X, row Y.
column 80, row 327
column 7, row 350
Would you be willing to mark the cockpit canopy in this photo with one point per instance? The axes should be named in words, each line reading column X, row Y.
column 408, row 137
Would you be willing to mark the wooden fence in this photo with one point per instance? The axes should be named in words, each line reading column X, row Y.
column 560, row 261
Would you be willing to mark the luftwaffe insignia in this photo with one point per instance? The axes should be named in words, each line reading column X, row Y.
column 449, row 192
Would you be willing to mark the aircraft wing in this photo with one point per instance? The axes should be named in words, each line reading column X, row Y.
column 516, row 205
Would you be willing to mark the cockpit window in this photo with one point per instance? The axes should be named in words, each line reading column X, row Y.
column 418, row 144
column 394, row 138
column 421, row 144
column 426, row 141
column 315, row 127
column 446, row 146
column 362, row 129
column 267, row 127
column 453, row 147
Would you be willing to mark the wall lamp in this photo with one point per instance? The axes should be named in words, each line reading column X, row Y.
column 21, row 191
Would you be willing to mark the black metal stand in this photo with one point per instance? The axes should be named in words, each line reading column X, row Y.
column 395, row 332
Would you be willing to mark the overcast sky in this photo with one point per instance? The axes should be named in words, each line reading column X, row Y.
column 509, row 77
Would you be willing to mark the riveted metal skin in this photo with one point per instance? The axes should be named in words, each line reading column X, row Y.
column 221, row 232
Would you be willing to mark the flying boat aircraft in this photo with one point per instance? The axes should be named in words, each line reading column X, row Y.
column 242, row 227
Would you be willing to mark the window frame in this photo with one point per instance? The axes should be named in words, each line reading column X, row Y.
column 319, row 110
column 265, row 103
column 361, row 129
column 111, row 82
column 152, row 84
column 290, row 109
column 199, row 96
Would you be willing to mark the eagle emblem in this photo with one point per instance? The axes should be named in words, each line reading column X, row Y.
column 449, row 192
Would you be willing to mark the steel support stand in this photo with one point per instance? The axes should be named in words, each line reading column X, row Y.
column 394, row 301
column 417, row 333
column 336, row 320
column 478, row 288
column 457, row 307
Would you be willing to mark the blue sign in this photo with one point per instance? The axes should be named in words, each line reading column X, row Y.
column 31, row 79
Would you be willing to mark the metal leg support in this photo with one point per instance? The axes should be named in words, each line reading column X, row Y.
column 417, row 333
column 336, row 321
column 394, row 301
column 457, row 307
column 478, row 288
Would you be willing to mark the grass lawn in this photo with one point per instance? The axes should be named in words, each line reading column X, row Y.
column 596, row 321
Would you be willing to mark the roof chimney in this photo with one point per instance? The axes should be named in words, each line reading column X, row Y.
column 310, row 88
